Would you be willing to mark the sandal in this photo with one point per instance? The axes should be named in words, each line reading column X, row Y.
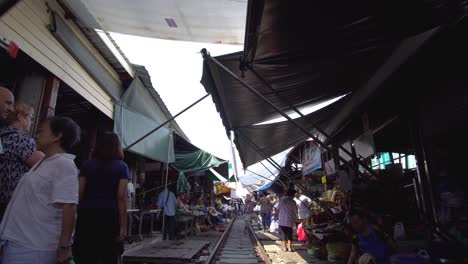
column 291, row 250
column 284, row 249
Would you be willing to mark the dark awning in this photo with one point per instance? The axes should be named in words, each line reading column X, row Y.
column 309, row 52
column 276, row 137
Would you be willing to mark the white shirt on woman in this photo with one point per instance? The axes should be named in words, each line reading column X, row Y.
column 33, row 218
column 303, row 203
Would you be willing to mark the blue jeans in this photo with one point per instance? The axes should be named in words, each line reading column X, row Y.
column 266, row 220
column 12, row 253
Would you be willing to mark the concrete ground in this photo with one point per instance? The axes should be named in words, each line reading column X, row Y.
column 212, row 236
column 272, row 245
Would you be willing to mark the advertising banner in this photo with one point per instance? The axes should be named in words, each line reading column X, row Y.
column 312, row 158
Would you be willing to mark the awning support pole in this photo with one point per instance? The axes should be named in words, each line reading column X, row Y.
column 163, row 229
column 263, row 98
column 315, row 126
column 256, row 174
column 287, row 174
column 271, row 172
column 166, row 122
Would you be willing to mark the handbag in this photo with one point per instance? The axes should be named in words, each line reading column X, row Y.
column 274, row 226
column 257, row 208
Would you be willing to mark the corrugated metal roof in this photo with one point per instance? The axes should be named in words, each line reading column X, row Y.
column 210, row 21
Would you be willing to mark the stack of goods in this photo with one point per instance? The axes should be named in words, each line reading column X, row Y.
column 188, row 212
column 204, row 228
column 322, row 231
column 220, row 227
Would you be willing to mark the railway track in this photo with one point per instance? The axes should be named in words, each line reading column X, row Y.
column 238, row 245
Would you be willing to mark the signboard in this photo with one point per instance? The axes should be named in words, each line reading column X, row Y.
column 364, row 145
column 312, row 158
column 324, row 179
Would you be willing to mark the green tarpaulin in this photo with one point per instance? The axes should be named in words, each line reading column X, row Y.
column 211, row 176
column 131, row 126
column 191, row 162
column 232, row 179
column 182, row 184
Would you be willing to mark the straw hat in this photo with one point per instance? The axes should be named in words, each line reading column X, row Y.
column 366, row 259
column 213, row 211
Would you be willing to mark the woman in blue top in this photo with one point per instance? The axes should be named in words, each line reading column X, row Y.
column 102, row 212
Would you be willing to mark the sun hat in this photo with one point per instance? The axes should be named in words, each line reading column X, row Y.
column 213, row 211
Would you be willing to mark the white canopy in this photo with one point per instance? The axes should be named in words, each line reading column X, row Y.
column 264, row 171
column 210, row 21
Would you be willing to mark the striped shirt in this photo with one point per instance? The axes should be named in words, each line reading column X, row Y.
column 287, row 212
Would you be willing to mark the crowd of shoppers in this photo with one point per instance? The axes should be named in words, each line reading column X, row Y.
column 369, row 243
column 41, row 189
column 43, row 195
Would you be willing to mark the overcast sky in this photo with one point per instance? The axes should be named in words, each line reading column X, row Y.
column 176, row 69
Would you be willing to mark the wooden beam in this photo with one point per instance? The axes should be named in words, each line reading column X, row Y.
column 49, row 98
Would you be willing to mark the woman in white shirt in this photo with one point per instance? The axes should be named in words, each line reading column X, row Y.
column 287, row 219
column 303, row 204
column 38, row 224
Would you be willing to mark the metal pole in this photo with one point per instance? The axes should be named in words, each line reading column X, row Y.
column 266, row 100
column 418, row 201
column 270, row 172
column 163, row 229
column 166, row 122
column 423, row 172
column 263, row 177
column 419, row 169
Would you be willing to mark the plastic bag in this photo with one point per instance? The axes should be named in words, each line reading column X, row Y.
column 399, row 232
column 257, row 208
column 301, row 234
column 274, row 226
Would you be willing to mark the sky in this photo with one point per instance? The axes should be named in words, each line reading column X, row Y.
column 176, row 69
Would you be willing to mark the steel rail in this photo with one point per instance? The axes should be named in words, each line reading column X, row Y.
column 222, row 239
column 259, row 246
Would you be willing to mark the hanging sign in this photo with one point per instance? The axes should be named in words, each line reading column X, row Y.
column 324, row 179
column 312, row 158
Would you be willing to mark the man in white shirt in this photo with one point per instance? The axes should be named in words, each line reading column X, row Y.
column 168, row 203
